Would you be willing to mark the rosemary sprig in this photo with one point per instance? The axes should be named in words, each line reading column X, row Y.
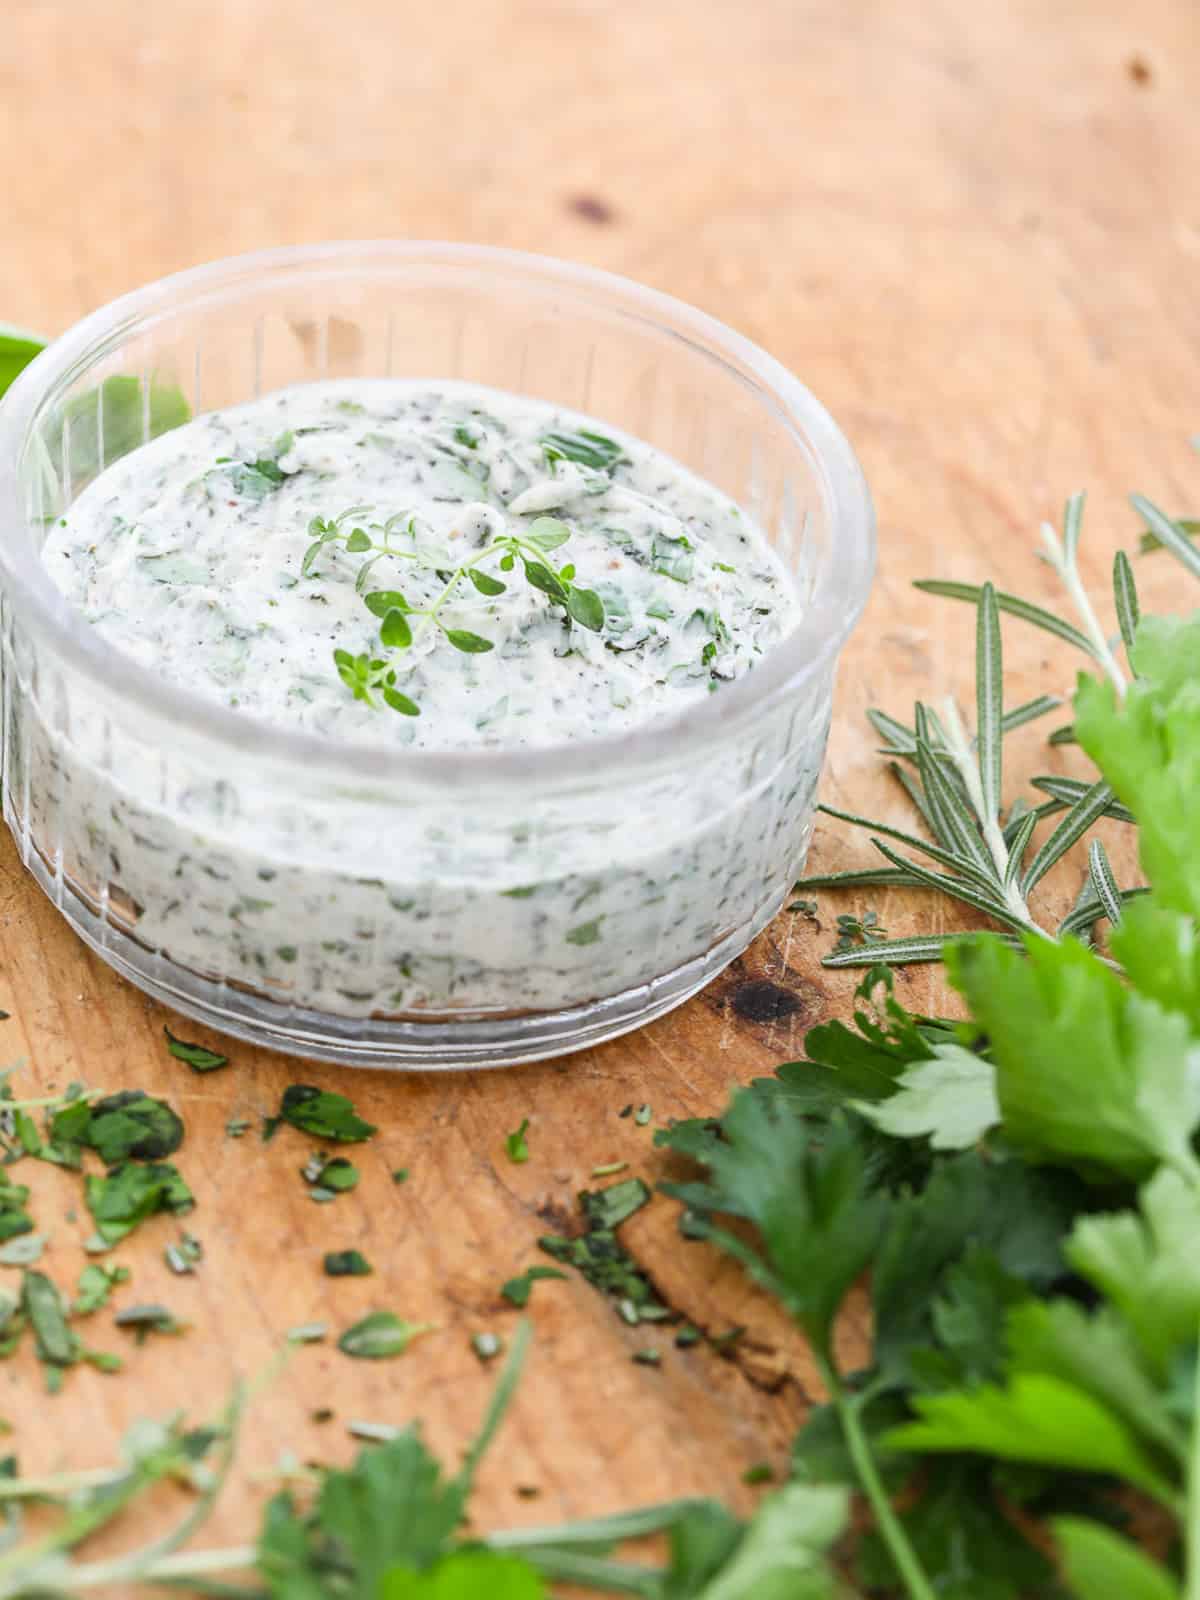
column 365, row 676
column 955, row 782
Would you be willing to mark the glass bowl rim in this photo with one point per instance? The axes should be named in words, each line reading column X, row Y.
column 842, row 581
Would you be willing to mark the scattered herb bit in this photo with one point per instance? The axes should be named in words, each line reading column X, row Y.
column 197, row 1056
column 131, row 1123
column 237, row 1126
column 585, row 933
column 334, row 1174
column 609, row 1167
column 57, row 1346
column 516, row 1143
column 320, row 1113
column 400, row 1175
column 96, row 1284
column 760, row 1472
column 346, row 1264
column 321, row 1195
column 487, row 1346
column 307, row 1333
column 804, row 908
column 724, row 1343
column 648, row 1357
column 14, row 1219
column 687, row 1337
column 601, row 1258
column 130, row 1193
column 642, row 1115
column 854, row 932
column 585, row 448
column 142, row 1321
column 322, row 1414
column 374, row 1432
column 381, row 1334
column 626, row 1111
column 517, row 1290
column 184, row 1256
column 22, row 1251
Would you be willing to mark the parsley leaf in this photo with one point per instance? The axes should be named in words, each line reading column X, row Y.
column 465, row 1575
column 517, row 1290
column 1057, row 1005
column 1099, row 1564
column 950, row 1098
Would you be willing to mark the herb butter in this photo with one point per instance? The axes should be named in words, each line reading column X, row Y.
column 424, row 566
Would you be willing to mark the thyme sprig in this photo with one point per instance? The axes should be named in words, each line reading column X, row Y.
column 982, row 853
column 403, row 624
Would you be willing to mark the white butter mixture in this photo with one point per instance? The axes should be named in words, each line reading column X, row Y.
column 489, row 571
column 189, row 555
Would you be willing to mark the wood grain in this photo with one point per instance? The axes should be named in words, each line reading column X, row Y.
column 974, row 231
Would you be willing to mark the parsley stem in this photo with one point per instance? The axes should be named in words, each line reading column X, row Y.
column 595, row 1572
column 1191, row 1529
column 183, row 1565
column 888, row 1523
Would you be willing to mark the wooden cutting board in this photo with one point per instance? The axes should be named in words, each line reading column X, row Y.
column 974, row 231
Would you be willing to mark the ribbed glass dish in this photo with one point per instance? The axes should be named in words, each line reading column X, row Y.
column 416, row 909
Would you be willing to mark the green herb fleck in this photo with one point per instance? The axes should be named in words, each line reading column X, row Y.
column 142, row 1321
column 346, row 1264
column 96, row 1284
column 307, row 1333
column 648, row 1357
column 487, row 1346
column 517, row 1290
column 197, row 1056
column 381, row 1334
column 132, row 1123
column 516, row 1143
column 130, row 1193
column 184, row 1256
column 320, row 1113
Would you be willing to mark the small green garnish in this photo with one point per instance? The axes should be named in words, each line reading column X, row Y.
column 96, row 1284
column 184, row 1256
column 643, row 1115
column 585, row 933
column 142, row 1321
column 307, row 1333
column 199, row 1057
column 687, row 1337
column 237, row 1126
column 487, row 1346
column 587, row 449
column 130, row 1193
column 320, row 1113
column 648, row 1357
column 131, row 1123
column 516, row 1144
column 760, row 1472
column 332, row 1173
column 607, row 1170
column 400, row 1175
column 381, row 1334
column 368, row 676
column 347, row 1264
column 517, row 1290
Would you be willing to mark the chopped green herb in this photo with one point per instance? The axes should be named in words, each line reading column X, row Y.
column 804, row 908
column 723, row 1343
column 374, row 1432
column 142, row 1321
column 601, row 1258
column 487, row 1346
column 609, row 1167
column 130, row 1193
column 132, row 1123
column 626, row 1111
column 42, row 1304
column 237, row 1126
column 22, row 1251
column 346, row 1264
column 381, row 1334
column 517, row 1290
column 333, row 1173
column 760, row 1472
column 320, row 1113
column 516, row 1143
column 648, row 1357
column 96, row 1284
column 687, row 1337
column 400, row 1175
column 197, row 1056
column 608, row 1208
column 585, row 933
column 307, row 1333
column 586, row 448
column 184, row 1256
column 643, row 1115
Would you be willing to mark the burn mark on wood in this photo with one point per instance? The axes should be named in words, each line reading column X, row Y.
column 591, row 209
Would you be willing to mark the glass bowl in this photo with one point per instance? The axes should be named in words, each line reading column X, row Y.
column 419, row 909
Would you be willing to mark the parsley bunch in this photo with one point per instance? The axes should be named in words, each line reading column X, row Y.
column 1023, row 1188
